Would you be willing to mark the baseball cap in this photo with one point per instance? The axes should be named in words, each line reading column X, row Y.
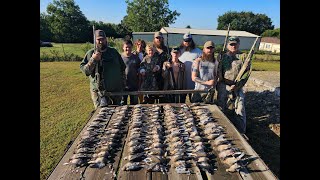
column 158, row 34
column 100, row 34
column 208, row 44
column 187, row 37
column 175, row 49
column 233, row 39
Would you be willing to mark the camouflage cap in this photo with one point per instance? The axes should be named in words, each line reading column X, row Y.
column 158, row 34
column 175, row 49
column 100, row 34
column 208, row 44
column 233, row 39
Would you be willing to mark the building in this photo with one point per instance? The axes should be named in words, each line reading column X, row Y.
column 271, row 44
column 200, row 36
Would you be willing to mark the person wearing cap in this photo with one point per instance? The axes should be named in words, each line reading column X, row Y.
column 204, row 74
column 173, row 73
column 132, row 63
column 149, row 67
column 189, row 52
column 230, row 95
column 162, row 54
column 107, row 62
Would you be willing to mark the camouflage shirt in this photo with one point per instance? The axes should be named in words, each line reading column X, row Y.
column 112, row 70
column 149, row 82
column 229, row 67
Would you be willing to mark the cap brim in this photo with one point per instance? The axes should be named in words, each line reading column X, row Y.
column 232, row 42
column 98, row 37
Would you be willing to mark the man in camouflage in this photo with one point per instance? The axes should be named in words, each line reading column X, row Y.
column 230, row 94
column 111, row 70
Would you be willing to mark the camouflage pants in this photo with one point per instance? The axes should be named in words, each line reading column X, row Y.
column 238, row 105
column 114, row 100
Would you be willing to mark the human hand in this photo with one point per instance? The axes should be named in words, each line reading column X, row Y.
column 155, row 69
column 96, row 56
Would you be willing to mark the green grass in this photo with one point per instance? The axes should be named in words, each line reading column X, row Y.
column 65, row 105
column 76, row 48
column 266, row 65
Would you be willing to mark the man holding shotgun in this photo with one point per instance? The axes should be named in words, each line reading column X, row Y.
column 106, row 71
column 233, row 71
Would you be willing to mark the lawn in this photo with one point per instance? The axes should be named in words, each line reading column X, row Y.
column 65, row 105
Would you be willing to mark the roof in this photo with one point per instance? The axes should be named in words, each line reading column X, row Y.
column 207, row 32
column 274, row 40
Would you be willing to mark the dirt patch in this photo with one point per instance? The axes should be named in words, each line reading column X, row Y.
column 263, row 125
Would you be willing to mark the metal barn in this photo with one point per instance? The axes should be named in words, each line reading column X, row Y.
column 200, row 36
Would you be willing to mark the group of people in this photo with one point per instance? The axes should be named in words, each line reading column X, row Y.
column 153, row 66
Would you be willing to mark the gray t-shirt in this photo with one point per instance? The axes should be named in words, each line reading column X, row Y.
column 187, row 58
column 132, row 66
column 207, row 71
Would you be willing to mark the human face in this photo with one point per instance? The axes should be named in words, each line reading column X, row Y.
column 139, row 46
column 158, row 39
column 127, row 49
column 233, row 47
column 101, row 43
column 150, row 51
column 208, row 50
column 175, row 55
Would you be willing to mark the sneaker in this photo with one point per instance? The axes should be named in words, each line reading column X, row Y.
column 103, row 102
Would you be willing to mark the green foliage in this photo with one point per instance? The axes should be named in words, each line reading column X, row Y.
column 63, row 52
column 188, row 26
column 86, row 47
column 67, row 22
column 45, row 32
column 245, row 21
column 148, row 16
column 271, row 33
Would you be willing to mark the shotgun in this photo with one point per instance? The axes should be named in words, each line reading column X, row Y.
column 247, row 62
column 224, row 44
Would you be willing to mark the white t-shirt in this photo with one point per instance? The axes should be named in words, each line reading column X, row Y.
column 187, row 58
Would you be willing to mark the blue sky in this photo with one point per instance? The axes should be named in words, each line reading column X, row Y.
column 198, row 14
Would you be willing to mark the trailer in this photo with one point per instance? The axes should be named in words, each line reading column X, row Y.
column 114, row 167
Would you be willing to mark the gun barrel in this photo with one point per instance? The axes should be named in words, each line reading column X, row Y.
column 226, row 38
column 94, row 38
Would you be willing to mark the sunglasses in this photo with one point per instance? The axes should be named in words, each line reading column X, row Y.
column 233, row 44
column 158, row 37
column 211, row 47
column 187, row 40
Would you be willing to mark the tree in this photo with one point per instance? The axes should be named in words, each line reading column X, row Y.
column 271, row 33
column 67, row 22
column 245, row 21
column 188, row 26
column 148, row 16
column 45, row 33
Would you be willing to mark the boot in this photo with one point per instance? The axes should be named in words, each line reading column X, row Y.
column 103, row 102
